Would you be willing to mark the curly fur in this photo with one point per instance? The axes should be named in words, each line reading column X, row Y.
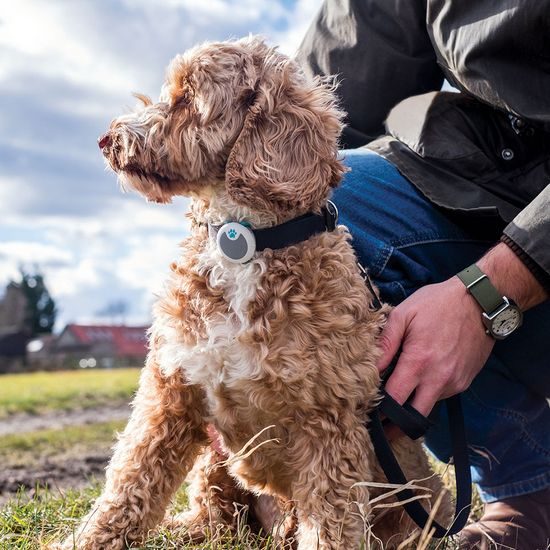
column 284, row 346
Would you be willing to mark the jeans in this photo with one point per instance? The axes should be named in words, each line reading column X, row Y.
column 406, row 242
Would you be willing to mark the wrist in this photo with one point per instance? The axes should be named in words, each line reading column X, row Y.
column 511, row 277
column 540, row 275
column 470, row 309
column 500, row 315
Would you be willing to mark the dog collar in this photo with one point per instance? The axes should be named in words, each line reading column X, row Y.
column 238, row 242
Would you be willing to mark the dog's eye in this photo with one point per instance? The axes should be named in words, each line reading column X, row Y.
column 183, row 100
column 186, row 98
column 250, row 97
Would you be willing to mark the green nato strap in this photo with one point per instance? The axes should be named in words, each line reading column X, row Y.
column 481, row 288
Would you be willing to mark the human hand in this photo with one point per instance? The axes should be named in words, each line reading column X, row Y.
column 444, row 344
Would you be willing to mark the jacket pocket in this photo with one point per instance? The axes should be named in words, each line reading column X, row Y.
column 452, row 131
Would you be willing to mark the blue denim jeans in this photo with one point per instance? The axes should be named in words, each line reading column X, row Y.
column 406, row 243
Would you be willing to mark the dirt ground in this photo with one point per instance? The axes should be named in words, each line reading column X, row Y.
column 59, row 475
column 21, row 423
column 58, row 472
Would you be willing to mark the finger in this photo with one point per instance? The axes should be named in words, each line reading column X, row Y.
column 403, row 381
column 425, row 398
column 391, row 338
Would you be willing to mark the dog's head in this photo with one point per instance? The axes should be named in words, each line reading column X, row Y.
column 235, row 117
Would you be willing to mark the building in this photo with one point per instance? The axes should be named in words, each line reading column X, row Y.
column 14, row 334
column 100, row 346
column 13, row 309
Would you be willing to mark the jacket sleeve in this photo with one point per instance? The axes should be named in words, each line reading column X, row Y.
column 381, row 53
column 528, row 234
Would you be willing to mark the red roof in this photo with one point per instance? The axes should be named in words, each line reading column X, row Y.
column 127, row 341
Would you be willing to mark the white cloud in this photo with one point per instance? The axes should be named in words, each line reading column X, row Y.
column 65, row 69
column 32, row 252
column 68, row 282
column 300, row 17
column 145, row 266
column 46, row 35
column 241, row 11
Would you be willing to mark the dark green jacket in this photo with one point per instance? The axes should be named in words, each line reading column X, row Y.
column 482, row 154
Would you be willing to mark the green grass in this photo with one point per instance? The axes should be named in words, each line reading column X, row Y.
column 52, row 515
column 40, row 392
column 30, row 520
column 26, row 524
column 72, row 441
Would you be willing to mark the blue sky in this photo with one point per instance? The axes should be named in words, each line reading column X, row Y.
column 66, row 69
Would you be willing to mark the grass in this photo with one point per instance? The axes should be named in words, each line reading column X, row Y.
column 31, row 519
column 41, row 392
column 29, row 523
column 26, row 524
column 72, row 441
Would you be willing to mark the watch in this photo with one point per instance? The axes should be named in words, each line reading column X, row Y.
column 501, row 316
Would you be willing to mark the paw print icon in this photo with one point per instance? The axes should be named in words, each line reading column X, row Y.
column 236, row 242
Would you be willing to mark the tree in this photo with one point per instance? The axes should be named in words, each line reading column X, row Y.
column 41, row 310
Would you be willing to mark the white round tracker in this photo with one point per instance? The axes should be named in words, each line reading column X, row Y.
column 236, row 242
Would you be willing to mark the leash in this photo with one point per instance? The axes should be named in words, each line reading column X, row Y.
column 415, row 425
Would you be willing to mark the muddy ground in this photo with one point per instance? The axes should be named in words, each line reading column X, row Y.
column 21, row 423
column 73, row 473
column 58, row 472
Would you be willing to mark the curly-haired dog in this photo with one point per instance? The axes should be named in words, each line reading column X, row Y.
column 283, row 346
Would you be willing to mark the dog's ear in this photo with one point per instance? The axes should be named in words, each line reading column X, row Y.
column 285, row 159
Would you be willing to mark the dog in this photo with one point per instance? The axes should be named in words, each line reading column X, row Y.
column 278, row 353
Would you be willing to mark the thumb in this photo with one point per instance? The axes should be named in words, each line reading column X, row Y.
column 391, row 338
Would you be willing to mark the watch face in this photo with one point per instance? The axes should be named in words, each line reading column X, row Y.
column 506, row 322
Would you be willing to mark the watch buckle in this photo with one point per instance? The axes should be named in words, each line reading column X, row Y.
column 492, row 315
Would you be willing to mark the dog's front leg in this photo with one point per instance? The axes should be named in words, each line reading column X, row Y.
column 331, row 502
column 152, row 457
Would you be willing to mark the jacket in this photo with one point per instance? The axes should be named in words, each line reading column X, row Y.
column 482, row 154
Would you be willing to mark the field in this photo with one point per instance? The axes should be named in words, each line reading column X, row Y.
column 56, row 434
column 40, row 392
column 51, row 515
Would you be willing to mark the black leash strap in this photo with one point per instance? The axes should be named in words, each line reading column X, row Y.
column 409, row 420
column 415, row 425
column 395, row 474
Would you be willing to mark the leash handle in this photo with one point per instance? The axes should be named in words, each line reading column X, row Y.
column 415, row 425
column 405, row 416
column 395, row 475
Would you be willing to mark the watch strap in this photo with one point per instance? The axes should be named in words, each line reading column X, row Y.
column 481, row 288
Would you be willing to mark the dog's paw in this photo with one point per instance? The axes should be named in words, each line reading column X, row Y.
column 87, row 541
column 189, row 524
column 67, row 544
column 196, row 526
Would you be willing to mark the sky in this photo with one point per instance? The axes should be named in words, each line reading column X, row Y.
column 67, row 67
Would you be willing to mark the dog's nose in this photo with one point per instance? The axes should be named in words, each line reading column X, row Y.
column 105, row 140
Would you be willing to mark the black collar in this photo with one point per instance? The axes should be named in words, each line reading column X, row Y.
column 291, row 232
